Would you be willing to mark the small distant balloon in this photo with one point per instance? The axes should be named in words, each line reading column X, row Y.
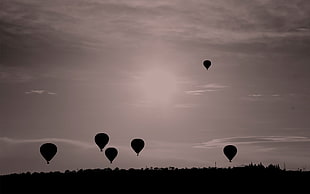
column 137, row 145
column 48, row 151
column 101, row 140
column 230, row 152
column 111, row 153
column 207, row 64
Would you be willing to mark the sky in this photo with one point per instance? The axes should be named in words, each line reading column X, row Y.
column 70, row 69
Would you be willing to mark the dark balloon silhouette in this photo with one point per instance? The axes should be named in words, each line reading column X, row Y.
column 111, row 153
column 48, row 151
column 101, row 140
column 137, row 145
column 230, row 151
column 207, row 64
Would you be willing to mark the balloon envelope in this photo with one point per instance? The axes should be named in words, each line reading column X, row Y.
column 111, row 153
column 137, row 145
column 230, row 152
column 101, row 140
column 207, row 64
column 48, row 151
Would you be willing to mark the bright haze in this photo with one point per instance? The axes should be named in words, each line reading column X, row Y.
column 70, row 69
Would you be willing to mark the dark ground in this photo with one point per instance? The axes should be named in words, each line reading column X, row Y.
column 248, row 179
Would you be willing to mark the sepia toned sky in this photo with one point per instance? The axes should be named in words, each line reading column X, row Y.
column 133, row 69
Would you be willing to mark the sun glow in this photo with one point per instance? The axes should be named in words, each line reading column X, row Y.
column 158, row 86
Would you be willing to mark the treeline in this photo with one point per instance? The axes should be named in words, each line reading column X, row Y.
column 248, row 179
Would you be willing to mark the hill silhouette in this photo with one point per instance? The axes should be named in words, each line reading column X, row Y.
column 247, row 179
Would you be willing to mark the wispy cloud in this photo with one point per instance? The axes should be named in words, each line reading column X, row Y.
column 247, row 140
column 262, row 97
column 9, row 74
column 35, row 92
column 39, row 92
column 255, row 95
column 43, row 140
column 197, row 92
column 51, row 93
column 212, row 87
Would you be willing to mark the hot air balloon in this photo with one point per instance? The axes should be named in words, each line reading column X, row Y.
column 207, row 64
column 111, row 153
column 48, row 151
column 101, row 140
column 137, row 145
column 230, row 152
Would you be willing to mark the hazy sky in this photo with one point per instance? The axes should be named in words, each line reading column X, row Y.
column 72, row 68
